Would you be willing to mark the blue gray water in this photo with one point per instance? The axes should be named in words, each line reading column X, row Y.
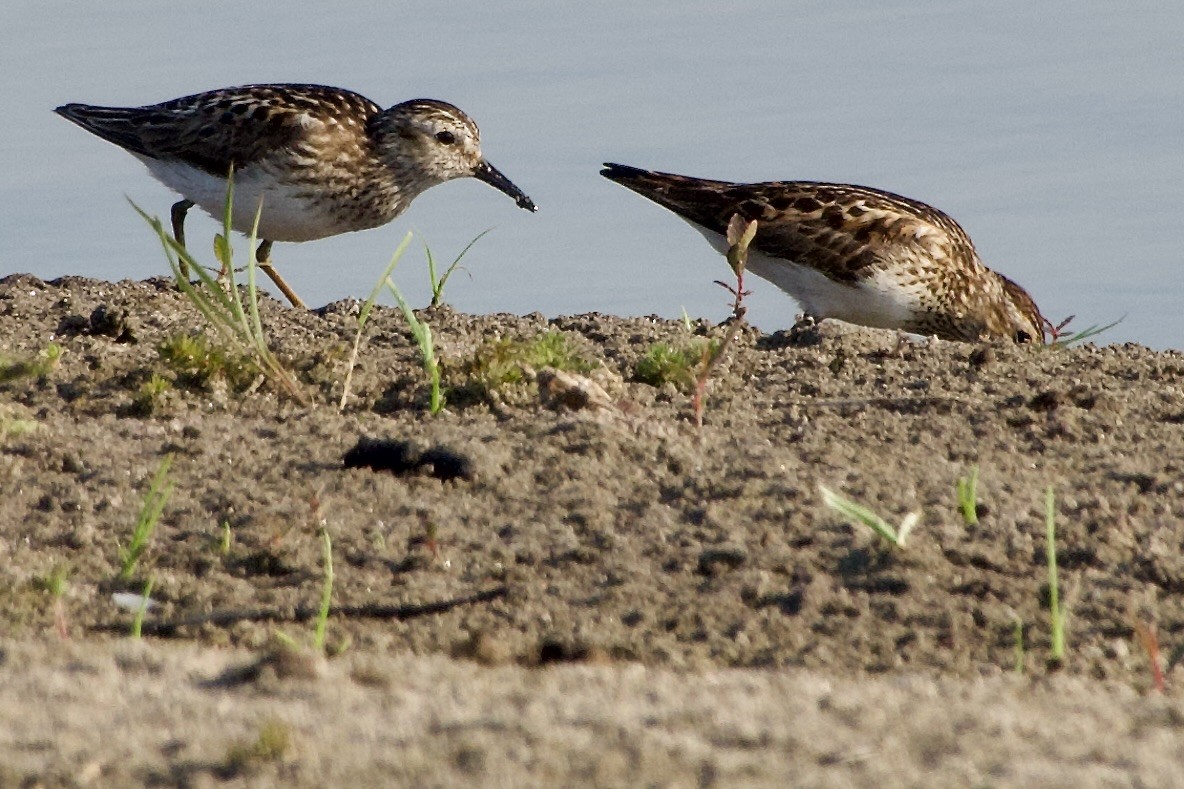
column 1051, row 131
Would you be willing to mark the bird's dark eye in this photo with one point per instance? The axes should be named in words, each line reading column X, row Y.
column 1022, row 336
column 445, row 137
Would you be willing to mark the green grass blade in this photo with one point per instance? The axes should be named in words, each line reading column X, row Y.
column 1083, row 335
column 152, row 508
column 860, row 514
column 211, row 301
column 428, row 348
column 247, row 326
column 258, row 337
column 438, row 284
column 967, row 491
column 1054, row 594
column 145, row 601
column 326, row 593
column 423, row 339
column 364, row 315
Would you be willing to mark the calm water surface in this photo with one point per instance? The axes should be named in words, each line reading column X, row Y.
column 1051, row 131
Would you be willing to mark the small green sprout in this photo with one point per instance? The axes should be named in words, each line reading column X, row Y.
column 150, row 512
column 197, row 362
column 967, row 489
column 1054, row 595
column 15, row 369
column 13, row 421
column 663, row 363
column 422, row 333
column 505, row 362
column 860, row 514
column 318, row 640
column 55, row 583
column 1062, row 340
column 438, row 282
column 150, row 394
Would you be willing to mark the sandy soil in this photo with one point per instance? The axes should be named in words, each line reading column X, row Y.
column 548, row 591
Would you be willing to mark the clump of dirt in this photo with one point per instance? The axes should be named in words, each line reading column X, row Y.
column 615, row 532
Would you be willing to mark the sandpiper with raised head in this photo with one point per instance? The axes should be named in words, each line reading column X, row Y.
column 322, row 160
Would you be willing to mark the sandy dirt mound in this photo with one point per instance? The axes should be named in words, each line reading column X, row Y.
column 735, row 630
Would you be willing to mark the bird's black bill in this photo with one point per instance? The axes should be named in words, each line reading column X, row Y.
column 622, row 172
column 491, row 175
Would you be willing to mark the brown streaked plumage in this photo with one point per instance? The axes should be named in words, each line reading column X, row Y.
column 322, row 160
column 853, row 253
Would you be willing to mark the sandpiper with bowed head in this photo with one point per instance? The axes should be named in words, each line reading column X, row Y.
column 322, row 160
column 856, row 254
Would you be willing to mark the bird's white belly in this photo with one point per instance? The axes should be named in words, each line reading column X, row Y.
column 287, row 214
column 880, row 300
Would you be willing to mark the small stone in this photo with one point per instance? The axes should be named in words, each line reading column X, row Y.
column 483, row 648
column 715, row 561
column 575, row 392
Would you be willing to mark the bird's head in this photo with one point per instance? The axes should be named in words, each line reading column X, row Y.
column 428, row 142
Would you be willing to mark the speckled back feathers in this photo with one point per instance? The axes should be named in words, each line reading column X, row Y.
column 238, row 126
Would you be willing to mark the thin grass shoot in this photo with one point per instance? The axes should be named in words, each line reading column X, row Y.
column 55, row 583
column 1061, row 340
column 439, row 282
column 364, row 315
column 145, row 603
column 967, row 490
column 1057, row 649
column 422, row 333
column 860, row 514
column 322, row 622
column 150, row 511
